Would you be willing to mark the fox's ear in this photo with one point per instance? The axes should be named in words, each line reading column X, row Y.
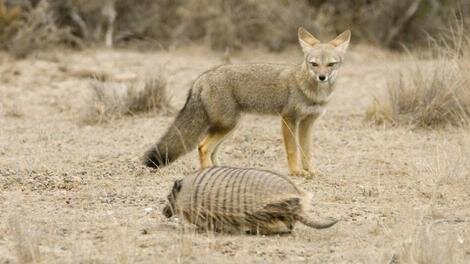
column 306, row 39
column 341, row 42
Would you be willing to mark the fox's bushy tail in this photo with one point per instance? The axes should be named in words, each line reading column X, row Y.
column 182, row 136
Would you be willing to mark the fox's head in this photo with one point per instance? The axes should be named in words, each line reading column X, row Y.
column 322, row 60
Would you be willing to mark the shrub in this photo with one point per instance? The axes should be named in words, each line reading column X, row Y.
column 36, row 30
column 111, row 100
column 230, row 24
column 9, row 19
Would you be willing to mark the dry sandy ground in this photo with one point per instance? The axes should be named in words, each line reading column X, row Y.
column 71, row 193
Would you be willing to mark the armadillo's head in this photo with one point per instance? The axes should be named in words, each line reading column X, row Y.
column 169, row 209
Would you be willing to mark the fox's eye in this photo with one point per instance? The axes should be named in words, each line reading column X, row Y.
column 314, row 64
column 331, row 64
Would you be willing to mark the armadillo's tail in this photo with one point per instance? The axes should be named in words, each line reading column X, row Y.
column 316, row 224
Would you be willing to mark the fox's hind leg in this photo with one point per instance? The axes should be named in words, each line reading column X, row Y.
column 214, row 156
column 224, row 113
column 208, row 147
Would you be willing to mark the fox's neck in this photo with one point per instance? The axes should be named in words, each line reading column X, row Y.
column 318, row 92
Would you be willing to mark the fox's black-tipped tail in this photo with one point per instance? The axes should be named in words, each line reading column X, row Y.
column 317, row 225
column 154, row 159
column 182, row 136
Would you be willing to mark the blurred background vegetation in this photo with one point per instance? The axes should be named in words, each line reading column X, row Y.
column 28, row 25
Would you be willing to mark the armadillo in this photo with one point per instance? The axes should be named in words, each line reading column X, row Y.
column 236, row 200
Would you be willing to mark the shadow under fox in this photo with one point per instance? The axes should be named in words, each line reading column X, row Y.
column 218, row 97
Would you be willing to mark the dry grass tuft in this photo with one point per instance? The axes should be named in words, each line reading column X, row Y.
column 425, row 94
column 433, row 243
column 26, row 245
column 440, row 235
column 111, row 100
column 429, row 93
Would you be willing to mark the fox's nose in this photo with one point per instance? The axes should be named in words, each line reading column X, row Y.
column 322, row 78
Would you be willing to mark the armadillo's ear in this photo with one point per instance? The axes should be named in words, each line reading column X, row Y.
column 168, row 211
column 177, row 185
column 306, row 39
column 341, row 42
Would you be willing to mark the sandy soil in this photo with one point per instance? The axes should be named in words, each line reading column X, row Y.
column 71, row 193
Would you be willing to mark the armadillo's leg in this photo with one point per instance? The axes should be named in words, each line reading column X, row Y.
column 305, row 142
column 209, row 144
column 272, row 228
column 289, row 132
column 277, row 227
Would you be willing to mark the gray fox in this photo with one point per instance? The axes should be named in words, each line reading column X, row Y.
column 218, row 97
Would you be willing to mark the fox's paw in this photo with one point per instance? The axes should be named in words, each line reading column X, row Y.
column 313, row 172
column 303, row 173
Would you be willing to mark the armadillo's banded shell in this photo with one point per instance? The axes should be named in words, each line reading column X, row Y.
column 232, row 195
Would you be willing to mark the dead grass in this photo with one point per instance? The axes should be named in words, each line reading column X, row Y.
column 111, row 100
column 438, row 236
column 425, row 93
column 433, row 243
column 25, row 240
column 432, row 92
column 429, row 89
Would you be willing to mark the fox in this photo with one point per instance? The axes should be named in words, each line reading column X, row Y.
column 297, row 93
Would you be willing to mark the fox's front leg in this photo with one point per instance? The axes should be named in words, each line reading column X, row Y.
column 289, row 132
column 305, row 141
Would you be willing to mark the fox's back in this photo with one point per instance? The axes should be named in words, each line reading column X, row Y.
column 255, row 87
